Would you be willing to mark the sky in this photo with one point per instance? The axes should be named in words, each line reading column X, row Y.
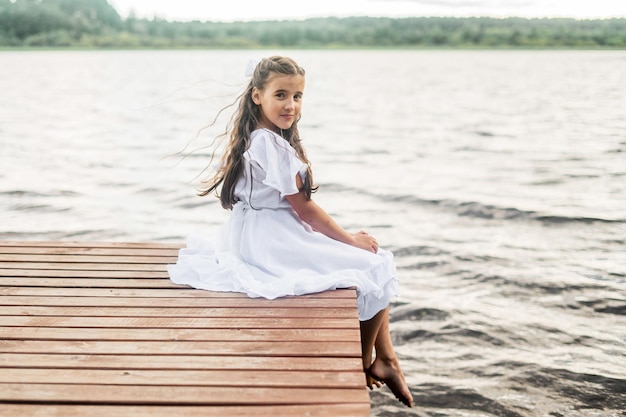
column 246, row 10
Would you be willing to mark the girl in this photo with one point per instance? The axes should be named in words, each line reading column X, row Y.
column 278, row 241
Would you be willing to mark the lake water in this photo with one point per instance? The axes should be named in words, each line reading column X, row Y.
column 498, row 178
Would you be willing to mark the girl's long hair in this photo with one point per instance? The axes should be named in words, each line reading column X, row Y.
column 241, row 125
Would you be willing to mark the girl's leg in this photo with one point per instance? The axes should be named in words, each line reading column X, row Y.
column 369, row 334
column 386, row 366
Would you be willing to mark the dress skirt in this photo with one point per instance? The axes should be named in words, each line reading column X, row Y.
column 271, row 253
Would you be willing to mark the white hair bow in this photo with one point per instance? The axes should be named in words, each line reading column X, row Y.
column 251, row 66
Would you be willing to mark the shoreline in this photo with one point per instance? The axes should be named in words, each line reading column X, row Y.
column 320, row 48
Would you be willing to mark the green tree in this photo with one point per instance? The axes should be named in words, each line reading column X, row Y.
column 95, row 23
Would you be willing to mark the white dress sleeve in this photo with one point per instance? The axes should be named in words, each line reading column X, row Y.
column 277, row 160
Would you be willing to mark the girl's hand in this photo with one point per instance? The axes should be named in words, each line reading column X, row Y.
column 312, row 214
column 364, row 241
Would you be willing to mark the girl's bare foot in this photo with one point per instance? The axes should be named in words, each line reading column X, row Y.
column 371, row 382
column 389, row 372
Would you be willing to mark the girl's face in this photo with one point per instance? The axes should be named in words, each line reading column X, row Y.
column 280, row 101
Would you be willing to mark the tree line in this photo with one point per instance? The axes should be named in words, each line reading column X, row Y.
column 96, row 24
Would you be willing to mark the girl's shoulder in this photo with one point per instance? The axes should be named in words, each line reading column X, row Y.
column 263, row 134
column 264, row 138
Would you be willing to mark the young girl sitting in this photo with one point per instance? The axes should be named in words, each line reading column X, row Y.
column 278, row 241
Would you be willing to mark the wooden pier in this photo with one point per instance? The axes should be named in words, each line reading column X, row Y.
column 98, row 329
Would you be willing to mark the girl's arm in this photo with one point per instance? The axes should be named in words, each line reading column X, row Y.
column 319, row 220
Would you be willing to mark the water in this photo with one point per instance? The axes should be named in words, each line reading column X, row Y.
column 496, row 177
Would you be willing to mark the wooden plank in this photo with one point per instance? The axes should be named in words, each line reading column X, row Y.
column 178, row 322
column 85, row 282
column 64, row 410
column 159, row 272
column 198, row 378
column 186, row 347
column 162, row 302
column 154, row 253
column 70, row 244
column 80, row 266
column 100, row 311
column 268, row 335
column 80, row 259
column 175, row 292
column 175, row 362
column 165, row 394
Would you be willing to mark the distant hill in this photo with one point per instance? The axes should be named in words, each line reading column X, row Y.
column 96, row 24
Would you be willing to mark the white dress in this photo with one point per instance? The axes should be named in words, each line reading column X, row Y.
column 265, row 250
